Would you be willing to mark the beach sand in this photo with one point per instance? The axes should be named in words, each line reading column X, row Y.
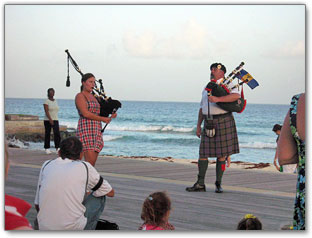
column 212, row 162
column 248, row 188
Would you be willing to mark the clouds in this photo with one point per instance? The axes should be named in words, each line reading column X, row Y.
column 290, row 49
column 295, row 49
column 192, row 40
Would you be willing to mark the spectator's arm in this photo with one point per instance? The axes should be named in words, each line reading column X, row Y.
column 286, row 146
column 94, row 177
column 111, row 193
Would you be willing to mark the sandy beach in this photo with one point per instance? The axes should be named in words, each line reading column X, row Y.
column 212, row 162
column 247, row 189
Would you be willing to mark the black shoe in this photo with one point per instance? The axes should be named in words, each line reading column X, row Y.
column 218, row 188
column 196, row 188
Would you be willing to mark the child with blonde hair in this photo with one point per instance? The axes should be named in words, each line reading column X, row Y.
column 249, row 222
column 155, row 212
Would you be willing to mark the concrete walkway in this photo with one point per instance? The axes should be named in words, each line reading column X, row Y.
column 268, row 195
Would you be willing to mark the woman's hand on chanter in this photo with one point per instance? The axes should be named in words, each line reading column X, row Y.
column 107, row 120
column 114, row 115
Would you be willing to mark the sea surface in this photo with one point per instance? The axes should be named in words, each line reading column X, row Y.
column 166, row 129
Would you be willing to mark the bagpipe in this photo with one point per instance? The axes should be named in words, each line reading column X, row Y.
column 107, row 104
column 223, row 88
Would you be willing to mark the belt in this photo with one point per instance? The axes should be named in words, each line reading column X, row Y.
column 221, row 115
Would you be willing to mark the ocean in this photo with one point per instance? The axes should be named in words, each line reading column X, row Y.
column 166, row 129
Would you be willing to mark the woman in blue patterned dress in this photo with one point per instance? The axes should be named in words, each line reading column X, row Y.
column 89, row 124
column 291, row 149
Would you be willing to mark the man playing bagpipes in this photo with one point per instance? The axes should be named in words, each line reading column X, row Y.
column 219, row 135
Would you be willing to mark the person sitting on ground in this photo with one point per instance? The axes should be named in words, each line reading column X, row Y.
column 15, row 209
column 71, row 194
column 155, row 212
column 249, row 222
column 287, row 168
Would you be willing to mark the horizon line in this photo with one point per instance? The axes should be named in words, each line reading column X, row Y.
column 144, row 101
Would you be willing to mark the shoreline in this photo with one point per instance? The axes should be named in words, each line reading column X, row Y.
column 268, row 167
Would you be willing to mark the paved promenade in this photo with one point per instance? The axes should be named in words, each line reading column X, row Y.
column 268, row 195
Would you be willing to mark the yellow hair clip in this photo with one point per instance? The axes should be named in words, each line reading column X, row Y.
column 248, row 216
column 219, row 66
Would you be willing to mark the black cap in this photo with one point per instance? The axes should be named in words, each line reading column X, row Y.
column 277, row 127
column 219, row 66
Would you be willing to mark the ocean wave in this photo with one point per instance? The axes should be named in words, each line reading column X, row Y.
column 258, row 145
column 111, row 138
column 146, row 128
column 69, row 124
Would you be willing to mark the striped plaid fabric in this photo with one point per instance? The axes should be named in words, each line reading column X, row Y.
column 89, row 131
column 225, row 141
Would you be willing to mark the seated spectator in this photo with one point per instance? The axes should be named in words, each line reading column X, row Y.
column 71, row 194
column 15, row 209
column 155, row 212
column 249, row 222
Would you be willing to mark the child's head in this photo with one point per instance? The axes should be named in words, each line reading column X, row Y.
column 249, row 222
column 156, row 208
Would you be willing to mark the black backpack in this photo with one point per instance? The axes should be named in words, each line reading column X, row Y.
column 106, row 225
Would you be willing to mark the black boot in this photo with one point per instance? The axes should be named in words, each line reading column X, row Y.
column 218, row 187
column 196, row 188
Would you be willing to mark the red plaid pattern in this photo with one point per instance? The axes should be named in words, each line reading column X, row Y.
column 225, row 141
column 89, row 131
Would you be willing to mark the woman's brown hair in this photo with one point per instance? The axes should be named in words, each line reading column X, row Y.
column 84, row 78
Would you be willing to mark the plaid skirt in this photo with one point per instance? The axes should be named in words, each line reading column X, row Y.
column 90, row 135
column 225, row 141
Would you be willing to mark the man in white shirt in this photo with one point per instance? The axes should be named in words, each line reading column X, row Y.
column 62, row 186
column 225, row 141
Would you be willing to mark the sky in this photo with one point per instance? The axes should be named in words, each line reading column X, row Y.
column 154, row 52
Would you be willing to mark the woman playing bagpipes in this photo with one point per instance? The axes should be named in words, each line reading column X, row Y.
column 219, row 135
column 89, row 124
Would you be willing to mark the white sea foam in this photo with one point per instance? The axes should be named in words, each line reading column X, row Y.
column 16, row 143
column 258, row 145
column 151, row 128
column 111, row 138
column 69, row 124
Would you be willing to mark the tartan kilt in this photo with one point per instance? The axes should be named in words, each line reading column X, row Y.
column 225, row 141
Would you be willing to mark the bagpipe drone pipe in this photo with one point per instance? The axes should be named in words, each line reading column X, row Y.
column 108, row 105
column 223, row 88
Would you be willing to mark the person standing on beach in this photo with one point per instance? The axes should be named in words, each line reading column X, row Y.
column 225, row 142
column 89, row 124
column 51, row 109
column 291, row 150
column 288, row 168
column 277, row 129
column 71, row 194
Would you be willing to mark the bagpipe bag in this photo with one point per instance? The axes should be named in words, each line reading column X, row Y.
column 219, row 91
column 108, row 106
